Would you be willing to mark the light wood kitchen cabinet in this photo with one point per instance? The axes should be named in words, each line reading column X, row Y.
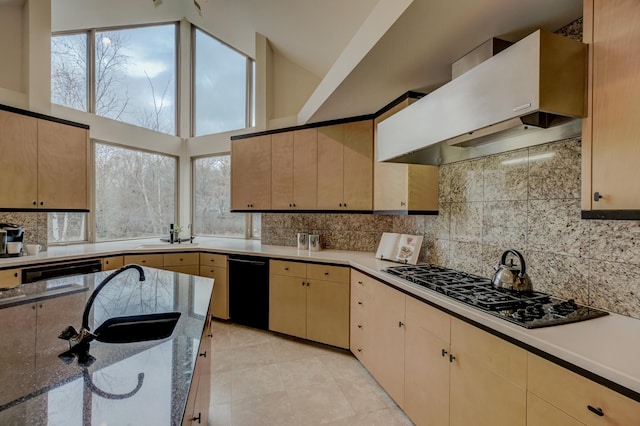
column 345, row 166
column 113, row 262
column 197, row 407
column 215, row 266
column 63, row 153
column 251, row 173
column 403, row 187
column 310, row 301
column 427, row 346
column 186, row 263
column 10, row 277
column 361, row 334
column 43, row 164
column 294, row 170
column 488, row 379
column 541, row 413
column 18, row 160
column 150, row 260
column 579, row 397
column 610, row 150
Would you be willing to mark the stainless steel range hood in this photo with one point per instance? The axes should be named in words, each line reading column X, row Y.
column 532, row 92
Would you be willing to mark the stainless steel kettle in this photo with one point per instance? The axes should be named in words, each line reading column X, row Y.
column 511, row 277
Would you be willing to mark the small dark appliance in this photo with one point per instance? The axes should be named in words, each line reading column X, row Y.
column 12, row 233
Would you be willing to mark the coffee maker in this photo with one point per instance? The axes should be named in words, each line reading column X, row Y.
column 10, row 233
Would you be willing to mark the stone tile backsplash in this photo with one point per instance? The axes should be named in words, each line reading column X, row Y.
column 528, row 200
column 35, row 226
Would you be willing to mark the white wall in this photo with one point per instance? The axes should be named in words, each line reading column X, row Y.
column 11, row 48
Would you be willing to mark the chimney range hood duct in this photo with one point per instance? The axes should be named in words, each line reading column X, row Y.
column 530, row 93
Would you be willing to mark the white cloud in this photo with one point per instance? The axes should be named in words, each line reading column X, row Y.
column 152, row 68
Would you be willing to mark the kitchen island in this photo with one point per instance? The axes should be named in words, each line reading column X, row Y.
column 143, row 383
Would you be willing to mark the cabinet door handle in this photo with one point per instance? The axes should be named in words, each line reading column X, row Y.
column 402, row 204
column 42, row 203
column 203, row 354
column 400, row 323
column 359, row 349
column 286, row 269
column 597, row 196
column 15, row 275
column 451, row 358
column 340, row 204
column 360, row 302
column 290, row 205
column 444, row 353
column 326, row 273
column 35, row 203
column 596, row 410
column 197, row 418
column 360, row 282
column 359, row 325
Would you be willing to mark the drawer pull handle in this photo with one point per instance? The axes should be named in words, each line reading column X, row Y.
column 204, row 354
column 444, row 353
column 359, row 350
column 359, row 302
column 198, row 419
column 360, row 282
column 596, row 410
column 359, row 325
column 286, row 269
column 326, row 273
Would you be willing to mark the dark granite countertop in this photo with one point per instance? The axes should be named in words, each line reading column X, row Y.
column 141, row 383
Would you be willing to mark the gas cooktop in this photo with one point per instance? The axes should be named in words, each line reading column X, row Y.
column 530, row 309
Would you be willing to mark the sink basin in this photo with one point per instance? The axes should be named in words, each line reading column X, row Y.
column 167, row 246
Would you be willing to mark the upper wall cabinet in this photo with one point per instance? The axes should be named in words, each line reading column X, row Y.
column 294, row 170
column 43, row 164
column 610, row 146
column 404, row 188
column 251, row 173
column 345, row 166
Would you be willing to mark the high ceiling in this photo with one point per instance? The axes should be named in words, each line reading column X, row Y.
column 363, row 61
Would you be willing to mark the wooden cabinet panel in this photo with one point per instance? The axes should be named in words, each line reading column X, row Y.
column 294, row 170
column 288, row 268
column 213, row 259
column 184, row 269
column 113, row 262
column 197, row 407
column 305, row 169
column 62, row 166
column 499, row 356
column 328, row 312
column 573, row 394
column 251, row 173
column 10, row 278
column 610, row 148
column 426, row 400
column 488, row 378
column 288, row 305
column 387, row 346
column 330, row 167
column 18, row 161
column 328, row 273
column 360, row 330
column 220, row 299
column 282, row 171
column 151, row 260
column 180, row 259
column 541, row 413
column 358, row 165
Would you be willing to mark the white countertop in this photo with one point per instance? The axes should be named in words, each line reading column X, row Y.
column 608, row 346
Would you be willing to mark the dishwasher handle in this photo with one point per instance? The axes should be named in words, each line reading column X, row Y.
column 251, row 262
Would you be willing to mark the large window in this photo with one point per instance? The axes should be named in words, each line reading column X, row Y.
column 211, row 199
column 222, row 81
column 135, row 193
column 133, row 78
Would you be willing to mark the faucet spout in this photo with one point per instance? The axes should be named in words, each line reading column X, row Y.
column 87, row 308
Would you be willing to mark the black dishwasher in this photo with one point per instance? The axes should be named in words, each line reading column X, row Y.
column 249, row 291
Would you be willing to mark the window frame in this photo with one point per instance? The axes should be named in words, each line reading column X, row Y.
column 91, row 68
column 249, row 83
column 93, row 222
column 248, row 217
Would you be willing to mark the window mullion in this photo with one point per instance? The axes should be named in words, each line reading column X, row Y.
column 91, row 71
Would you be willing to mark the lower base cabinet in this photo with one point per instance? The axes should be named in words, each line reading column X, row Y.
column 310, row 301
column 197, row 409
column 576, row 397
column 215, row 266
column 541, row 413
column 440, row 370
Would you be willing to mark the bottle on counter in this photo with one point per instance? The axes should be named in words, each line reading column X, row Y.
column 171, row 233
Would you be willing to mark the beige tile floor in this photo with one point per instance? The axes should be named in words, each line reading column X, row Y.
column 260, row 378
